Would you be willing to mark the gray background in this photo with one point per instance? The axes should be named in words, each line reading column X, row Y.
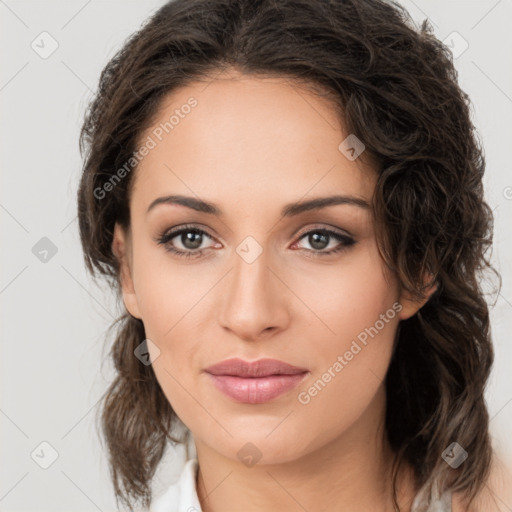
column 54, row 318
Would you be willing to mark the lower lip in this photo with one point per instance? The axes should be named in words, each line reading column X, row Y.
column 256, row 390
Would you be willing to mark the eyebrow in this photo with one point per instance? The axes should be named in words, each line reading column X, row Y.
column 288, row 210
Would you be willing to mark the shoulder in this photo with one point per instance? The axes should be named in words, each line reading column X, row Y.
column 496, row 495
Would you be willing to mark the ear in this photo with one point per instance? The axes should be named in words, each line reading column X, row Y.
column 410, row 306
column 121, row 247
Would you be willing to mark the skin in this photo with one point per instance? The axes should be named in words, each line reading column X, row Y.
column 252, row 145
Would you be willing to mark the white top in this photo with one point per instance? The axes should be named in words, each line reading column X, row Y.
column 181, row 496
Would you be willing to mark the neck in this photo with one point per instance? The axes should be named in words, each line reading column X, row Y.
column 352, row 472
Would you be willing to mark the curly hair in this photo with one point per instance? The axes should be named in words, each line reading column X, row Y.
column 396, row 88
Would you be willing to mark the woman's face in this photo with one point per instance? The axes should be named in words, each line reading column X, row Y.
column 262, row 280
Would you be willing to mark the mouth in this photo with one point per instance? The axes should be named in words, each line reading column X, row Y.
column 255, row 382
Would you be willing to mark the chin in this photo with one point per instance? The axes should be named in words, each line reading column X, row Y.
column 257, row 447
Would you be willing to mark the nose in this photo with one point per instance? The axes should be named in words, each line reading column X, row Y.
column 254, row 302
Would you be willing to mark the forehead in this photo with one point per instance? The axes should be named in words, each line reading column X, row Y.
column 247, row 140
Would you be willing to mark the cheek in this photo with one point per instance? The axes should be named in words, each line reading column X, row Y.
column 344, row 299
column 358, row 309
column 170, row 296
column 350, row 366
column 165, row 290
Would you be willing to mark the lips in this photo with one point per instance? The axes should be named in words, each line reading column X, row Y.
column 260, row 368
column 255, row 382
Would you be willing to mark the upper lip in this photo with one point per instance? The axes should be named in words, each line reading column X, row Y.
column 259, row 368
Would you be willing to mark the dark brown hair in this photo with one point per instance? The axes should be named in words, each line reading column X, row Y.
column 397, row 89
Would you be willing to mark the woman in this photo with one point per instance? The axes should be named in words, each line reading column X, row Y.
column 288, row 197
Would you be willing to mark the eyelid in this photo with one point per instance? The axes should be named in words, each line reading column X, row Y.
column 320, row 227
column 171, row 233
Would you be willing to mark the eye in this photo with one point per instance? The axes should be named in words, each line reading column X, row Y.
column 320, row 239
column 191, row 239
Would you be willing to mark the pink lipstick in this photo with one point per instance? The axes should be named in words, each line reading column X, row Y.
column 255, row 382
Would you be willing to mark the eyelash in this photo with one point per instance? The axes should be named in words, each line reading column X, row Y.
column 166, row 237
